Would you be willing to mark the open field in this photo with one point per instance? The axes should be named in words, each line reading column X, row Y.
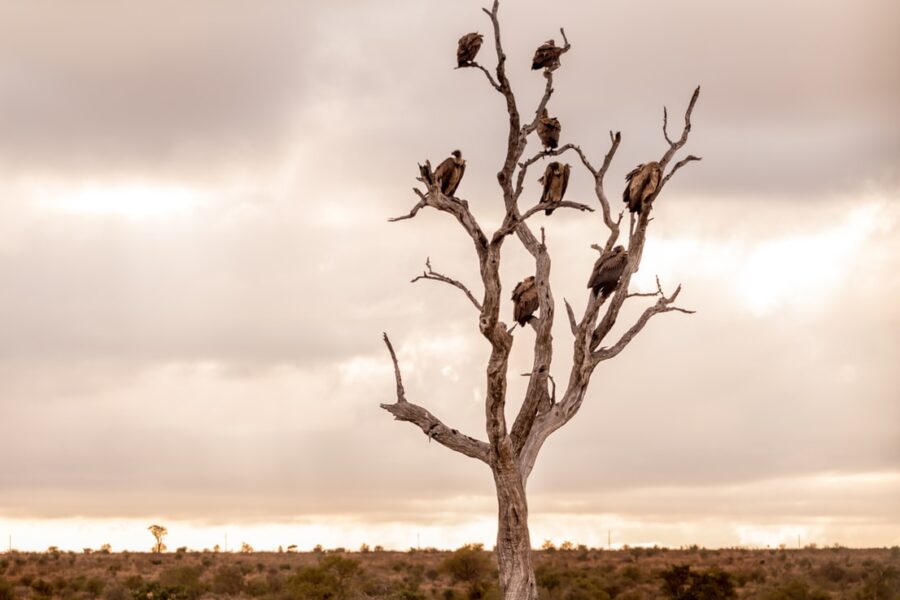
column 575, row 574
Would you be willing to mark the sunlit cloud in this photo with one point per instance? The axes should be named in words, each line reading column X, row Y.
column 129, row 200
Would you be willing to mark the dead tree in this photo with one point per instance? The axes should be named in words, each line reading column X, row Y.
column 510, row 452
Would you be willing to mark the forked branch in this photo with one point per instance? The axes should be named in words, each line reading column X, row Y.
column 433, row 275
column 430, row 425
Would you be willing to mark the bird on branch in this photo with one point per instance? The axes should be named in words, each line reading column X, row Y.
column 548, row 129
column 555, row 181
column 525, row 300
column 448, row 174
column 607, row 272
column 643, row 183
column 468, row 48
column 547, row 56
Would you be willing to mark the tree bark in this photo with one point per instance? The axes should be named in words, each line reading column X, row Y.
column 517, row 580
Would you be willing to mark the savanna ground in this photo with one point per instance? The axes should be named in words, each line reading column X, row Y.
column 574, row 573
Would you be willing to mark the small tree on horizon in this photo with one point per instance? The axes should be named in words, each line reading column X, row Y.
column 158, row 532
column 511, row 452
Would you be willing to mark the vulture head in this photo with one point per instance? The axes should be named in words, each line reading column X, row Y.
column 457, row 154
column 618, row 250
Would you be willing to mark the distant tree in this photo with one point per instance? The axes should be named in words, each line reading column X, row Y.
column 567, row 546
column 216, row 548
column 246, row 548
column 105, row 549
column 292, row 548
column 158, row 532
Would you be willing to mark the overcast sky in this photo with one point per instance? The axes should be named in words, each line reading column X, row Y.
column 196, row 270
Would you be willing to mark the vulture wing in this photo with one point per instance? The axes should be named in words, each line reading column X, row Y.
column 632, row 193
column 566, row 170
column 548, row 130
column 606, row 274
column 468, row 48
column 517, row 291
column 547, row 181
column 651, row 185
column 443, row 172
column 546, row 57
column 526, row 303
column 456, row 175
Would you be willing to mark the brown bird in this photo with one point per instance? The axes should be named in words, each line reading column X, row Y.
column 643, row 183
column 469, row 45
column 546, row 56
column 450, row 172
column 555, row 181
column 525, row 301
column 607, row 271
column 548, row 130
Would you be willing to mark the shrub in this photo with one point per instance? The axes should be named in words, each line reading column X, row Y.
column 680, row 583
column 228, row 579
column 6, row 590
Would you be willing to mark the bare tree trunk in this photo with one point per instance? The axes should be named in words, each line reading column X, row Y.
column 517, row 581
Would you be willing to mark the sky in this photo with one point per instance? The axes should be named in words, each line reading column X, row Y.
column 197, row 266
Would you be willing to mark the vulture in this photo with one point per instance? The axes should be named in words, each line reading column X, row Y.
column 546, row 56
column 469, row 45
column 548, row 130
column 450, row 172
column 607, row 271
column 555, row 181
column 525, row 301
column 643, row 183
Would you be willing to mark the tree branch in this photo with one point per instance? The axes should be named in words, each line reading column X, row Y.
column 430, row 425
column 433, row 275
column 510, row 225
column 663, row 304
column 487, row 74
column 675, row 146
column 454, row 206
column 678, row 165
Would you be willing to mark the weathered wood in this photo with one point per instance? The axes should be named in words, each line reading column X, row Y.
column 511, row 452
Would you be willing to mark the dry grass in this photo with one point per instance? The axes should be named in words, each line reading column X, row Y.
column 563, row 574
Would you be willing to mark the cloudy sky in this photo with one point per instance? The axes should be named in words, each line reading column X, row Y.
column 196, row 270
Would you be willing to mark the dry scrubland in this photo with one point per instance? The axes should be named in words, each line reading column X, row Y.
column 576, row 574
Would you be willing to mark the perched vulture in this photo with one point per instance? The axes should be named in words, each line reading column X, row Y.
column 607, row 271
column 546, row 56
column 555, row 181
column 643, row 183
column 548, row 130
column 469, row 45
column 450, row 172
column 525, row 301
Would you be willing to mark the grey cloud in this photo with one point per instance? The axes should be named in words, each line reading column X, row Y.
column 339, row 101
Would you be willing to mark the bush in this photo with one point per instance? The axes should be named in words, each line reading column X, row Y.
column 6, row 590
column 680, row 583
column 334, row 577
column 182, row 581
column 228, row 579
